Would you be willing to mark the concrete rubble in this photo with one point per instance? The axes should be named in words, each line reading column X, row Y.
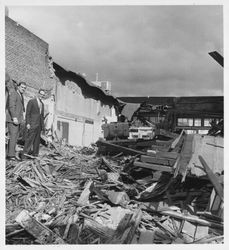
column 111, row 193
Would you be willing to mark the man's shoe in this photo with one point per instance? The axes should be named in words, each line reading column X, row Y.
column 18, row 158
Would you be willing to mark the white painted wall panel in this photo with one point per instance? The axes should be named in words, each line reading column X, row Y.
column 71, row 104
column 88, row 134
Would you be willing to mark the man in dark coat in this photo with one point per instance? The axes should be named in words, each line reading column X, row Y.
column 34, row 119
column 14, row 116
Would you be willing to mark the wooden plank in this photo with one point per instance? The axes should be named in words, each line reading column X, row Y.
column 179, row 145
column 15, row 233
column 192, row 219
column 162, row 154
column 134, row 225
column 160, row 143
column 214, row 145
column 133, row 143
column 216, row 204
column 105, row 233
column 84, row 197
column 153, row 167
column 120, row 148
column 170, row 155
column 166, row 133
column 176, row 167
column 164, row 227
column 37, row 172
column 155, row 160
column 9, row 228
column 106, row 162
column 177, row 140
column 70, row 221
column 210, row 216
column 212, row 177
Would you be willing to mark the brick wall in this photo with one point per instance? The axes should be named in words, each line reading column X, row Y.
column 27, row 56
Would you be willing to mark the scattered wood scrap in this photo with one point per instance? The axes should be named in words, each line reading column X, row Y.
column 113, row 194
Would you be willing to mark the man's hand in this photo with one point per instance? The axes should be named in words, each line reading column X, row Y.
column 15, row 121
column 28, row 126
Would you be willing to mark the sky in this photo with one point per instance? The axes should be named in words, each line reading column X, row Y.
column 142, row 50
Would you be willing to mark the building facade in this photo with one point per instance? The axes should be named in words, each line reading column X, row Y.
column 79, row 119
column 73, row 116
column 192, row 114
column 27, row 58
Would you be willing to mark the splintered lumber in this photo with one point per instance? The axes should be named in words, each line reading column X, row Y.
column 177, row 140
column 15, row 232
column 105, row 233
column 161, row 154
column 136, row 219
column 108, row 164
column 210, row 216
column 212, row 177
column 12, row 227
column 166, row 133
column 84, row 197
column 215, row 204
column 176, row 167
column 42, row 234
column 121, row 148
column 156, row 160
column 215, row 145
column 193, row 219
column 153, row 166
column 125, row 231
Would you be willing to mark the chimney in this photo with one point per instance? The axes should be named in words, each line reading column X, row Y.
column 6, row 11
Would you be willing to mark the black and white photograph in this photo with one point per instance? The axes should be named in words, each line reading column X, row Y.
column 113, row 123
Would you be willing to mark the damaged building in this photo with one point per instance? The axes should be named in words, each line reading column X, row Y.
column 166, row 189
column 193, row 114
column 74, row 107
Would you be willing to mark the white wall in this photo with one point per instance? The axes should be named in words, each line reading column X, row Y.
column 72, row 107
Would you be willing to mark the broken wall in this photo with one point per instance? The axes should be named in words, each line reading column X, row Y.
column 26, row 58
column 79, row 119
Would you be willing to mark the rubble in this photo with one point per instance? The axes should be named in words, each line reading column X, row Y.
column 73, row 195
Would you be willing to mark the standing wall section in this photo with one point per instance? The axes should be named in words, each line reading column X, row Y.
column 26, row 58
column 84, row 115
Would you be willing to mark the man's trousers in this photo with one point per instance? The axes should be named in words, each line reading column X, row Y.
column 32, row 141
column 13, row 136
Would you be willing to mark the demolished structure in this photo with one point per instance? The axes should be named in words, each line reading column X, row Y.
column 74, row 107
column 166, row 189
column 170, row 193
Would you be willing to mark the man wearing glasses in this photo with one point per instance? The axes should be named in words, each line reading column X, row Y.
column 14, row 117
column 34, row 119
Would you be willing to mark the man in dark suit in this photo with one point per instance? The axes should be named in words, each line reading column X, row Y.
column 34, row 119
column 14, row 116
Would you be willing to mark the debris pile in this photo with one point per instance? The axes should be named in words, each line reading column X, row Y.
column 127, row 196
